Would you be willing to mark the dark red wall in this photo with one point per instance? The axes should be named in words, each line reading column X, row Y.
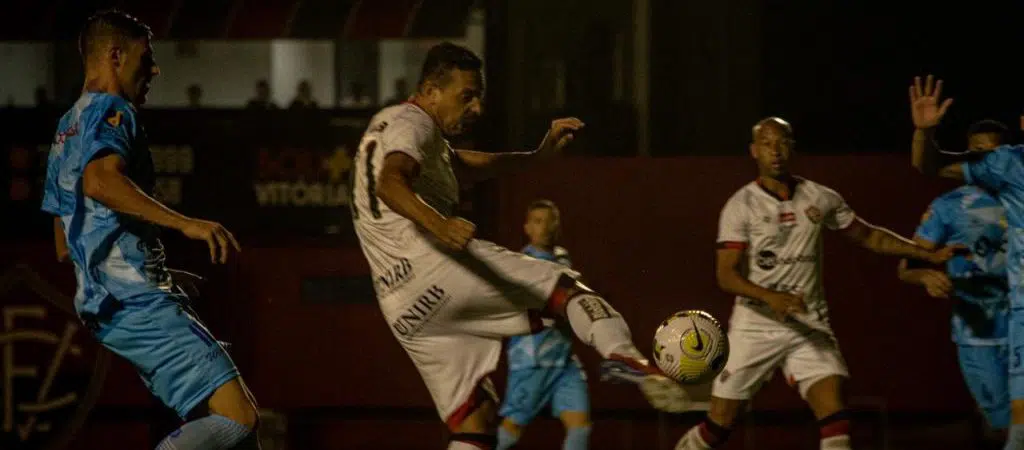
column 642, row 231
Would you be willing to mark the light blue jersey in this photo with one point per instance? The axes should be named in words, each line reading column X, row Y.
column 125, row 294
column 972, row 217
column 115, row 256
column 1001, row 172
column 550, row 347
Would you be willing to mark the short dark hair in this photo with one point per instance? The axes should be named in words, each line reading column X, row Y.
column 444, row 57
column 543, row 204
column 989, row 126
column 110, row 25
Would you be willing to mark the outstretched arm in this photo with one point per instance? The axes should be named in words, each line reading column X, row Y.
column 477, row 166
column 934, row 281
column 885, row 242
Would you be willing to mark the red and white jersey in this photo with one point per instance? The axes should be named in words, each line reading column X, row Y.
column 783, row 243
column 391, row 242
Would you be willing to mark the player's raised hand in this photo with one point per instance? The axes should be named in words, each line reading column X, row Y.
column 925, row 109
column 218, row 238
column 456, row 233
column 785, row 304
column 937, row 284
column 559, row 136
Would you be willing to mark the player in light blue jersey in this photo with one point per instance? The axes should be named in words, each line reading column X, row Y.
column 972, row 217
column 1001, row 173
column 99, row 181
column 543, row 371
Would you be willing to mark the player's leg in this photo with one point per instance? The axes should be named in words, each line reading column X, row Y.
column 754, row 356
column 1015, row 340
column 817, row 369
column 526, row 394
column 512, row 284
column 571, row 404
column 985, row 372
column 184, row 366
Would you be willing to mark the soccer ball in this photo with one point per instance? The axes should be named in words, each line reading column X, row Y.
column 691, row 347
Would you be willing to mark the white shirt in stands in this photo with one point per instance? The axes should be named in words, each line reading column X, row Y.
column 391, row 242
column 783, row 243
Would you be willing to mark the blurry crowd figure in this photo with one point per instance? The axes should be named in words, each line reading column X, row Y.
column 195, row 96
column 262, row 99
column 42, row 98
column 304, row 97
column 356, row 98
column 401, row 93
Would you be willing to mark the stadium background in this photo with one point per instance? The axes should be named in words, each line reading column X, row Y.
column 668, row 89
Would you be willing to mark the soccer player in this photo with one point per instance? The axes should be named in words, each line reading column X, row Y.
column 770, row 256
column 451, row 299
column 542, row 369
column 99, row 182
column 974, row 218
column 1001, row 173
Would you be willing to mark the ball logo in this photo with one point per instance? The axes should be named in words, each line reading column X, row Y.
column 694, row 343
column 52, row 368
column 766, row 260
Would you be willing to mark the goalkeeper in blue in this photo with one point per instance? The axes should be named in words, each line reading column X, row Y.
column 976, row 282
column 543, row 371
column 999, row 172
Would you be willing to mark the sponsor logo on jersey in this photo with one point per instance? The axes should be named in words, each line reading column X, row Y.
column 595, row 308
column 787, row 217
column 413, row 320
column 115, row 120
column 768, row 260
column 54, row 368
column 813, row 214
column 397, row 276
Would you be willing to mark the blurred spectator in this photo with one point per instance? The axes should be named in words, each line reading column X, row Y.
column 304, row 97
column 401, row 92
column 262, row 99
column 195, row 96
column 357, row 98
column 42, row 98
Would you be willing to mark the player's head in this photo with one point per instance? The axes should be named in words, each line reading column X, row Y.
column 772, row 146
column 451, row 87
column 543, row 222
column 118, row 54
column 985, row 135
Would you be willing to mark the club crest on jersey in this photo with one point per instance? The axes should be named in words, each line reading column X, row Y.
column 115, row 120
column 813, row 214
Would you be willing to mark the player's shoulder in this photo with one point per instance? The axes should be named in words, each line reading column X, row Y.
column 112, row 109
column 743, row 196
column 817, row 189
column 560, row 252
column 403, row 117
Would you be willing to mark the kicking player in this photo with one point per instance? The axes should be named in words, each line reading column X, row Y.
column 1001, row 173
column 770, row 257
column 542, row 369
column 98, row 183
column 451, row 299
column 974, row 218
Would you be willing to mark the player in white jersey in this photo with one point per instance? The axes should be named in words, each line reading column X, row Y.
column 770, row 257
column 450, row 299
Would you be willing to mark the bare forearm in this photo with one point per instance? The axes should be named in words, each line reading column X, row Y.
column 885, row 242
column 735, row 284
column 484, row 165
column 912, row 276
column 122, row 195
column 396, row 194
column 924, row 151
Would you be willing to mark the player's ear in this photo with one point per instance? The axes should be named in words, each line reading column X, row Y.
column 116, row 55
column 753, row 151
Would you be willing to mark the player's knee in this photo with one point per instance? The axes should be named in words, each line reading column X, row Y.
column 724, row 411
column 575, row 419
column 231, row 401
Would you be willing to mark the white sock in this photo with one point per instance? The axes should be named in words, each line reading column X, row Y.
column 599, row 325
column 458, row 445
column 841, row 442
column 692, row 441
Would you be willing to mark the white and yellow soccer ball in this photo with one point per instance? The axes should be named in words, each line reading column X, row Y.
column 691, row 347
